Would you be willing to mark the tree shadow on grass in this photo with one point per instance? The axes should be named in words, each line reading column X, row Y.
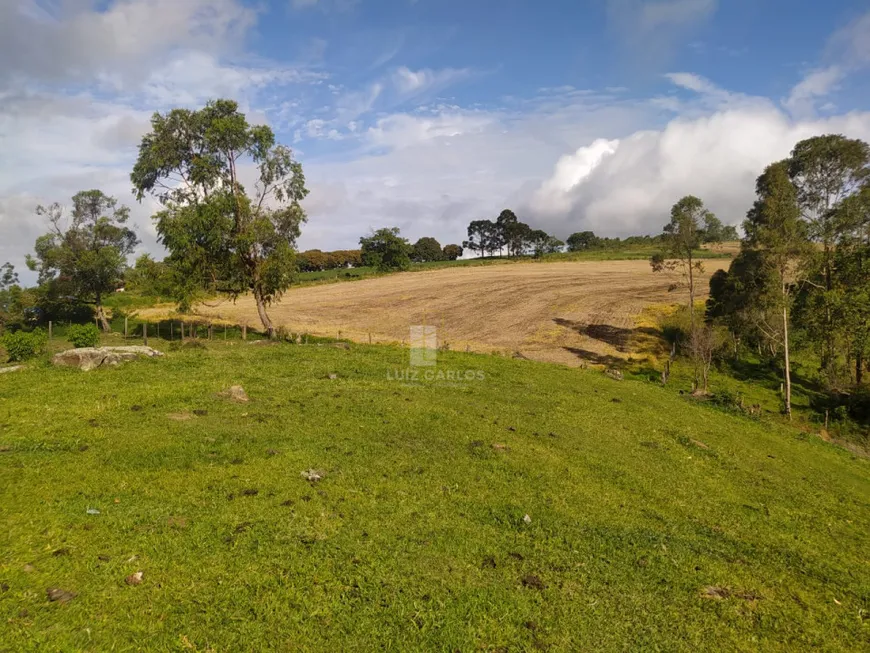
column 764, row 373
column 595, row 358
column 641, row 340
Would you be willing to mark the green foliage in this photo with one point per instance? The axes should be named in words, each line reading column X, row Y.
column 489, row 237
column 8, row 276
column 691, row 226
column 85, row 258
column 483, row 237
column 314, row 260
column 452, row 252
column 386, row 250
column 23, row 345
column 826, row 171
column 11, row 309
column 582, row 240
column 426, row 249
column 83, row 335
column 220, row 237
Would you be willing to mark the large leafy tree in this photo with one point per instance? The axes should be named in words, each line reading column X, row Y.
column 691, row 226
column 582, row 240
column 735, row 302
column 84, row 257
column 452, row 252
column 826, row 170
column 775, row 231
column 512, row 233
column 8, row 288
column 220, row 235
column 543, row 243
column 386, row 250
column 427, row 249
column 8, row 276
column 483, row 236
column 851, row 290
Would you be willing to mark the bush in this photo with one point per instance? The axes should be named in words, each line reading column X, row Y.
column 21, row 345
column 83, row 335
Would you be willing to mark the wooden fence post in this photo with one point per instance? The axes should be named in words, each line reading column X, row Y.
column 225, row 331
column 49, row 330
column 145, row 332
column 210, row 331
column 125, row 327
column 170, row 330
column 244, row 332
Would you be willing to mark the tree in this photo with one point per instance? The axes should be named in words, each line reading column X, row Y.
column 543, row 243
column 729, row 234
column 8, row 287
column 452, row 252
column 386, row 250
column 512, row 233
column 426, row 249
column 774, row 230
column 483, row 237
column 582, row 240
column 8, row 276
column 85, row 258
column 851, row 288
column 218, row 235
column 684, row 234
column 150, row 277
column 735, row 302
column 716, row 232
column 825, row 171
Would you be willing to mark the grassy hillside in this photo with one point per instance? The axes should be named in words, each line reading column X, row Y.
column 653, row 523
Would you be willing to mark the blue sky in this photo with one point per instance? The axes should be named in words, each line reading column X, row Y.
column 427, row 114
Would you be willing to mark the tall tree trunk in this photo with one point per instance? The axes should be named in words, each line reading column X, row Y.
column 691, row 294
column 101, row 315
column 787, row 362
column 261, row 311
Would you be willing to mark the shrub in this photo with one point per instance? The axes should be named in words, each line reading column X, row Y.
column 83, row 335
column 21, row 345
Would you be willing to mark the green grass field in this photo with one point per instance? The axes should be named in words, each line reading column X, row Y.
column 654, row 523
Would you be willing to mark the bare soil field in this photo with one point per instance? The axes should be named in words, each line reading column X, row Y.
column 571, row 313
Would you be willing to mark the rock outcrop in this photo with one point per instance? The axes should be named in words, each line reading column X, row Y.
column 90, row 358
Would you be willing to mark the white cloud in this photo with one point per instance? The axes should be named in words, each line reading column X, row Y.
column 817, row 84
column 195, row 77
column 78, row 41
column 553, row 197
column 412, row 82
column 849, row 50
column 716, row 157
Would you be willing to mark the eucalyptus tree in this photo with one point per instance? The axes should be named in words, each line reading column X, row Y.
column 85, row 256
column 221, row 236
column 775, row 231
